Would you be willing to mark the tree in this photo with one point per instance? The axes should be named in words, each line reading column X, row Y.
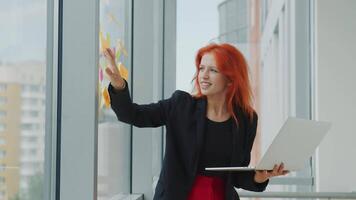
column 35, row 189
column 15, row 197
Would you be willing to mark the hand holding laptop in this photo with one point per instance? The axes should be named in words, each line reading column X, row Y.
column 263, row 175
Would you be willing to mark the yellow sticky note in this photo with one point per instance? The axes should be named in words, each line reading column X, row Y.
column 108, row 39
column 106, row 97
column 104, row 42
column 123, row 71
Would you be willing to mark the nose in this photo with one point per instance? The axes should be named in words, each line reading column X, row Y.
column 205, row 74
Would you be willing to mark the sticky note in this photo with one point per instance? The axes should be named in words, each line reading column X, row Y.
column 101, row 75
column 106, row 97
column 104, row 42
column 120, row 46
column 123, row 71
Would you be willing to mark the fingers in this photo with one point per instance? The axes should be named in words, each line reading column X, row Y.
column 274, row 170
column 285, row 172
column 113, row 76
column 109, row 55
column 278, row 170
column 108, row 52
column 108, row 72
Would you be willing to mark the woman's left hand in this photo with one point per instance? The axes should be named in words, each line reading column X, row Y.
column 263, row 175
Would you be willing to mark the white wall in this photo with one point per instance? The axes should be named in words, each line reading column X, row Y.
column 336, row 96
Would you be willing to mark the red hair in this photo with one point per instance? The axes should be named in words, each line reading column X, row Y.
column 233, row 65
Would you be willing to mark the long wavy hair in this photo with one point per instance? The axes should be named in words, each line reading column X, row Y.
column 231, row 63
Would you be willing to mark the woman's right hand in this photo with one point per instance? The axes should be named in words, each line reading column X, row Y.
column 112, row 71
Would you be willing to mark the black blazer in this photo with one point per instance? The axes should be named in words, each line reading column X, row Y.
column 184, row 118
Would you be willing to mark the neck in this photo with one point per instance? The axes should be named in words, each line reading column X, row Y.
column 217, row 108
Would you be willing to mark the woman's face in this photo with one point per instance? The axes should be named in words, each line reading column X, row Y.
column 211, row 81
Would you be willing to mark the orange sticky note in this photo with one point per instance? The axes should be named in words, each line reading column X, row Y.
column 106, row 97
column 123, row 71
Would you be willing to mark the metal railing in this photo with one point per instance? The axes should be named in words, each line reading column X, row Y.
column 127, row 197
column 299, row 195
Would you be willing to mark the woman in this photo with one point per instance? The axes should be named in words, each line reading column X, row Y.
column 215, row 127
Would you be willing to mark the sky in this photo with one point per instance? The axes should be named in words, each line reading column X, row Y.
column 23, row 30
column 197, row 24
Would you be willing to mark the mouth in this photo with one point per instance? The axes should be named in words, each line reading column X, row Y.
column 205, row 85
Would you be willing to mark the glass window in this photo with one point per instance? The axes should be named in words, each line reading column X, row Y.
column 2, row 167
column 30, row 101
column 3, row 100
column 114, row 144
column 3, row 114
column 194, row 31
column 31, row 88
column 30, row 126
column 3, row 87
column 30, row 113
column 270, row 72
column 2, row 154
column 22, row 74
column 280, row 78
column 2, row 127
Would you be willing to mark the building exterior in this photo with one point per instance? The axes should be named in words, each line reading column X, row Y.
column 263, row 31
column 234, row 24
column 22, row 121
column 10, row 130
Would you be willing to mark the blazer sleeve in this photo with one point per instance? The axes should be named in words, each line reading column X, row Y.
column 245, row 180
column 147, row 115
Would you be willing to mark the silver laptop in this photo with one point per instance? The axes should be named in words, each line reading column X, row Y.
column 293, row 145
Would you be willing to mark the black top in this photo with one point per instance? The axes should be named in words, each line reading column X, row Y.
column 217, row 147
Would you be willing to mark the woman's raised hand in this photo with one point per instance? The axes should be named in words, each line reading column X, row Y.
column 112, row 71
column 263, row 175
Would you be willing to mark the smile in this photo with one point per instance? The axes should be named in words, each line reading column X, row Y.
column 205, row 84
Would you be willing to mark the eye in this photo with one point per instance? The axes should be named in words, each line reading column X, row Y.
column 214, row 70
column 201, row 68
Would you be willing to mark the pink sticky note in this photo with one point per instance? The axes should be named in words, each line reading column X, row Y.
column 100, row 74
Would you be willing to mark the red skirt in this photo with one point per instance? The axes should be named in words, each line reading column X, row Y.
column 207, row 188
